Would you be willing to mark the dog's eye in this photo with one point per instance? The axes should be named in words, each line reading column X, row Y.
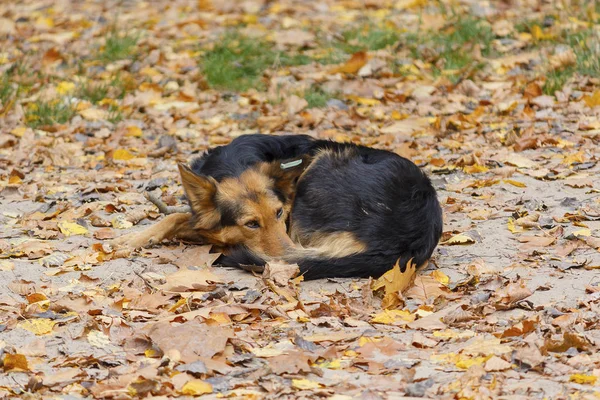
column 253, row 224
column 279, row 213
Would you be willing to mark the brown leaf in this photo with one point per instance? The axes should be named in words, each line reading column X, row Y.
column 192, row 339
column 507, row 296
column 15, row 362
column 568, row 340
column 186, row 280
column 353, row 65
column 291, row 363
column 280, row 273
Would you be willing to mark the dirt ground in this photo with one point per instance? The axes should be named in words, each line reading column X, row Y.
column 508, row 306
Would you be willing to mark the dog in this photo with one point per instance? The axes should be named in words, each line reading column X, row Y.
column 335, row 209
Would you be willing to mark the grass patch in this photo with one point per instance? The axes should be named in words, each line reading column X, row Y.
column 317, row 97
column 47, row 113
column 94, row 92
column 555, row 80
column 452, row 48
column 119, row 46
column 237, row 62
column 586, row 46
column 6, row 89
column 368, row 37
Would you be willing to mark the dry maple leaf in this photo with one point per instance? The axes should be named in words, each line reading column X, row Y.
column 353, row 65
column 192, row 339
column 190, row 280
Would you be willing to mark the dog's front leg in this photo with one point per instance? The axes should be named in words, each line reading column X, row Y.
column 173, row 226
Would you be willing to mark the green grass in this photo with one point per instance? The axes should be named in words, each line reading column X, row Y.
column 114, row 114
column 47, row 113
column 586, row 46
column 119, row 46
column 94, row 92
column 237, row 62
column 555, row 80
column 6, row 89
column 316, row 97
column 452, row 48
column 367, row 37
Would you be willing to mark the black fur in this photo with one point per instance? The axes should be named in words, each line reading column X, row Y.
column 385, row 200
column 247, row 150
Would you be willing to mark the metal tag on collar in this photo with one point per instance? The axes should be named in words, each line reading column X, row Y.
column 291, row 164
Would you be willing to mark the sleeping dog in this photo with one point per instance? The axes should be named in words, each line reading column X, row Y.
column 335, row 209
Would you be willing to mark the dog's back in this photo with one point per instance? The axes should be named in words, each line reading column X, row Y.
column 358, row 210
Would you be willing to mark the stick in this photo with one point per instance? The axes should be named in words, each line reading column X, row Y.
column 163, row 208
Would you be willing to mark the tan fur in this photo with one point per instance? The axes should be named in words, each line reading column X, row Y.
column 330, row 245
column 172, row 226
column 251, row 194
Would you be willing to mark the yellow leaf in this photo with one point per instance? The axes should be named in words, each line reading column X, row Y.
column 459, row 239
column 440, row 277
column 514, row 183
column 582, row 232
column 94, row 114
column 583, row 379
column 408, row 4
column 152, row 353
column 514, row 228
column 466, row 363
column 19, row 131
column 539, row 34
column 474, row 169
column 134, row 131
column 364, row 340
column 353, row 65
column 39, row 326
column 14, row 362
column 71, row 228
column 122, row 155
column 196, row 387
column 570, row 159
column 364, row 101
column 65, row 87
column 593, row 100
column 390, row 317
column 305, row 384
column 98, row 339
column 395, row 280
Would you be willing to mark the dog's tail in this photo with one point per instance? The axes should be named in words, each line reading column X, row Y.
column 314, row 264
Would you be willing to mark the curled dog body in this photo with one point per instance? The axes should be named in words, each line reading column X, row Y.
column 335, row 209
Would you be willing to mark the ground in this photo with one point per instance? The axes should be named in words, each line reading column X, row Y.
column 497, row 101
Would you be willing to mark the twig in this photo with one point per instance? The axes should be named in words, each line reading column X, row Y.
column 163, row 208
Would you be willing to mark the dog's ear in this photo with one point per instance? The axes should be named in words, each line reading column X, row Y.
column 285, row 174
column 200, row 192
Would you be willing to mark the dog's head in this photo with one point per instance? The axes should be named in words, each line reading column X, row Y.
column 250, row 209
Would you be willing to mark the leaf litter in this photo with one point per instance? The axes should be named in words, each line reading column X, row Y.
column 499, row 105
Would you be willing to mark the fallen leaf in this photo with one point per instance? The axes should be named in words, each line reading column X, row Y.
column 305, row 384
column 189, row 280
column 15, row 362
column 39, row 326
column 71, row 228
column 353, row 65
column 196, row 387
column 193, row 340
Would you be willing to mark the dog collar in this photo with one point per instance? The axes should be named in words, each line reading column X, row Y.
column 291, row 164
